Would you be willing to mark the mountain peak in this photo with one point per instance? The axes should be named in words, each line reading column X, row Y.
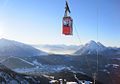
column 91, row 43
column 91, row 47
column 94, row 44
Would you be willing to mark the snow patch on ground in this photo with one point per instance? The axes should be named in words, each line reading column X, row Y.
column 117, row 59
column 71, row 83
column 113, row 65
column 35, row 62
column 42, row 69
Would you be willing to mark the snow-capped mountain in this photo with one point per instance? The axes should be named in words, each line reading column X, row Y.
column 93, row 47
column 14, row 48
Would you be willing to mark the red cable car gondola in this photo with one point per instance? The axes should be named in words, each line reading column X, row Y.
column 67, row 22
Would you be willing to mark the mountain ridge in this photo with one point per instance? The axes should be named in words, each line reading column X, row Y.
column 96, row 48
column 14, row 48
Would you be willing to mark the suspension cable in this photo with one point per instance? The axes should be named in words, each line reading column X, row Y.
column 79, row 39
column 97, row 53
column 86, row 58
column 80, row 42
column 97, row 57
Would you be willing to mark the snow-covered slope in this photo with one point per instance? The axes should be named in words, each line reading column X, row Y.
column 16, row 62
column 10, row 77
column 14, row 48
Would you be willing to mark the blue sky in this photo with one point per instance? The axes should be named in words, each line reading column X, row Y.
column 40, row 21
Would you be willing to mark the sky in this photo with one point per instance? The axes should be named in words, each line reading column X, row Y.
column 40, row 21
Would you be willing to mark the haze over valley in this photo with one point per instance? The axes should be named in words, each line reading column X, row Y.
column 25, row 59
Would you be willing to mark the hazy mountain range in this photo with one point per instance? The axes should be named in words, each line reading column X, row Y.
column 25, row 59
column 14, row 48
column 91, row 47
